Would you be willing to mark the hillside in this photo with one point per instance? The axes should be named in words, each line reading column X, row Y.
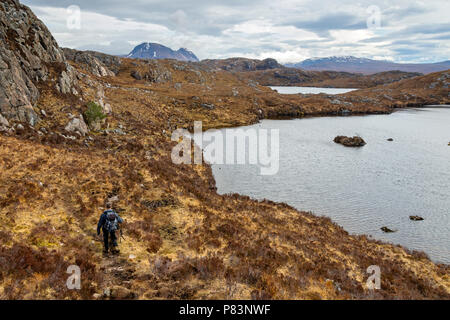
column 366, row 66
column 148, row 50
column 242, row 64
column 326, row 79
column 182, row 240
column 269, row 72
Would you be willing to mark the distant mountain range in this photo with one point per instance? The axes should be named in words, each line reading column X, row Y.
column 366, row 66
column 148, row 50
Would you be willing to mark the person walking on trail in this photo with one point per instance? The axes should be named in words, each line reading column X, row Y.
column 109, row 224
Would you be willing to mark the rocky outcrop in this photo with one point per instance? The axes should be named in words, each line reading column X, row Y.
column 28, row 55
column 350, row 141
column 153, row 72
column 90, row 62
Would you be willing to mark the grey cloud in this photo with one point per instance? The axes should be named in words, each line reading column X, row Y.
column 200, row 25
column 333, row 21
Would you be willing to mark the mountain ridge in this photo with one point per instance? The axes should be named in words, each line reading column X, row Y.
column 151, row 50
column 365, row 65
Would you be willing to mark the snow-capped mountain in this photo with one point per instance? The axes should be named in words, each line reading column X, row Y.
column 366, row 66
column 148, row 50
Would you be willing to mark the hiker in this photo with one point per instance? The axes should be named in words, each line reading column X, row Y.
column 109, row 223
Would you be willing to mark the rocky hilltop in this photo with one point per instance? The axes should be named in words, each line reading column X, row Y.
column 269, row 72
column 242, row 64
column 148, row 50
column 110, row 141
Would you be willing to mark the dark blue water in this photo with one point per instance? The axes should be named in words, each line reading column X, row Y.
column 362, row 189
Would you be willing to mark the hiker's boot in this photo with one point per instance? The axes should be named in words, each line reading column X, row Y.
column 115, row 251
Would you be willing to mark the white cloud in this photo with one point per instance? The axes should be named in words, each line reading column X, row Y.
column 287, row 30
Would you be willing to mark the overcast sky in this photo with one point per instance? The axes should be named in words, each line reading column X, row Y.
column 287, row 30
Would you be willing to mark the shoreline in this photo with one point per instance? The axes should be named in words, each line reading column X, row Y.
column 409, row 250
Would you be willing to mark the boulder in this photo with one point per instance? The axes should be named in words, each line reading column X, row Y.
column 77, row 125
column 390, row 139
column 415, row 218
column 350, row 141
column 208, row 106
column 386, row 230
column 137, row 75
column 121, row 293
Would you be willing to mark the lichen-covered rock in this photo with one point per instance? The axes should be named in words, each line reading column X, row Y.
column 100, row 100
column 28, row 52
column 66, row 80
column 77, row 125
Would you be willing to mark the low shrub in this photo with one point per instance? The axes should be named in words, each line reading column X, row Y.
column 93, row 113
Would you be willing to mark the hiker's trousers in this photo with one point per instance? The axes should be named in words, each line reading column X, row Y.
column 109, row 236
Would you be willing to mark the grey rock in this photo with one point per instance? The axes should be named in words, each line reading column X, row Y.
column 3, row 121
column 336, row 101
column 107, row 292
column 107, row 109
column 89, row 62
column 208, row 106
column 433, row 85
column 100, row 99
column 27, row 52
column 67, row 80
column 119, row 131
column 77, row 125
column 153, row 72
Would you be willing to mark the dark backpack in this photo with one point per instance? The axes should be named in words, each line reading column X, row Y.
column 111, row 223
